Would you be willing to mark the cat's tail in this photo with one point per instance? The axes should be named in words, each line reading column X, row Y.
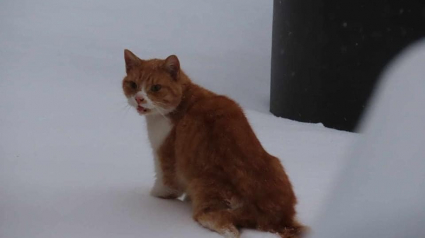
column 297, row 230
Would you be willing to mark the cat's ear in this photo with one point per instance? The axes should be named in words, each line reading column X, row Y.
column 172, row 65
column 131, row 60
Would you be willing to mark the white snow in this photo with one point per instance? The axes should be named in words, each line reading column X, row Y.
column 88, row 172
column 380, row 192
column 75, row 161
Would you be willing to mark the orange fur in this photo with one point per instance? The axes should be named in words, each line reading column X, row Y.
column 213, row 155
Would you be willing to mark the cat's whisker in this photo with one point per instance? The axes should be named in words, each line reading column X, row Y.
column 159, row 111
column 121, row 103
column 156, row 103
column 128, row 107
column 159, row 103
column 123, row 107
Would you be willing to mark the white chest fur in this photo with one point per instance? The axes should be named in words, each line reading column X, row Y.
column 158, row 129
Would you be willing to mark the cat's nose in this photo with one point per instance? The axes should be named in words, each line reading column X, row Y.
column 139, row 99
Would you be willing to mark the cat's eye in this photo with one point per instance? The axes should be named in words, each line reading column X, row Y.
column 132, row 85
column 155, row 88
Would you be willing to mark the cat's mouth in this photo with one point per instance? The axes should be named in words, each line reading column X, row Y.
column 142, row 110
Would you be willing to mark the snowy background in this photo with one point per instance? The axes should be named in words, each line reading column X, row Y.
column 75, row 162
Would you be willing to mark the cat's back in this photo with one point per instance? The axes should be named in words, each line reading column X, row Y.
column 217, row 107
column 217, row 127
column 219, row 113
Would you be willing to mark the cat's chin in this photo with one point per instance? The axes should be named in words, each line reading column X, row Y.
column 143, row 113
column 142, row 110
column 146, row 112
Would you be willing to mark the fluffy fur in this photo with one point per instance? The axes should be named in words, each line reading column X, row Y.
column 204, row 146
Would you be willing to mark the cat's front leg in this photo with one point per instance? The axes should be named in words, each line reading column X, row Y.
column 161, row 190
column 165, row 185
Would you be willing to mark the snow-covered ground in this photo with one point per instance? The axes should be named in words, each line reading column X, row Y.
column 88, row 173
column 75, row 161
column 380, row 191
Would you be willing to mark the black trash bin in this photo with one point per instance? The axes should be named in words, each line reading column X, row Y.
column 327, row 54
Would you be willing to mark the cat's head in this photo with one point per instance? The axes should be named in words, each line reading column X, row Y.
column 152, row 86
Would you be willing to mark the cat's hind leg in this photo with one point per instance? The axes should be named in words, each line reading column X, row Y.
column 220, row 221
column 161, row 190
column 210, row 208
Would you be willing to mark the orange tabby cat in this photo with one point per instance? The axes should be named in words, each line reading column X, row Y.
column 204, row 146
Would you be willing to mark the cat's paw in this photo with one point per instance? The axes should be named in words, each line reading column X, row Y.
column 187, row 198
column 162, row 191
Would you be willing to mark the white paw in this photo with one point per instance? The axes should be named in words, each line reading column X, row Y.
column 187, row 198
column 162, row 191
column 231, row 233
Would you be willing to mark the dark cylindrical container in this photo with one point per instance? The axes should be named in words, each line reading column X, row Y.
column 327, row 54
